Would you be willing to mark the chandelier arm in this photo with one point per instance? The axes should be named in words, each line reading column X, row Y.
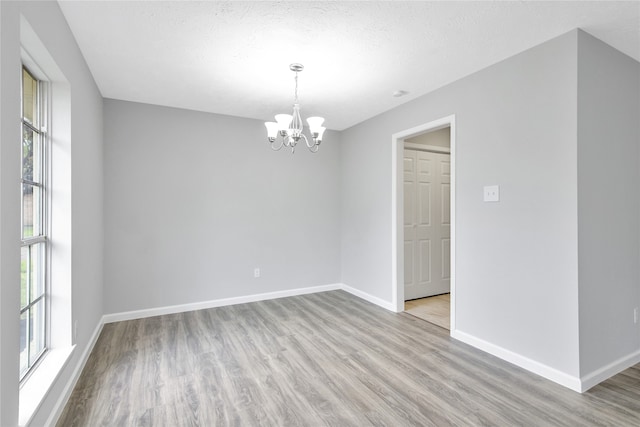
column 276, row 147
column 314, row 148
column 310, row 145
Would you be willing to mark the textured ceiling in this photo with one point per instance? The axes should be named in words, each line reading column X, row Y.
column 233, row 57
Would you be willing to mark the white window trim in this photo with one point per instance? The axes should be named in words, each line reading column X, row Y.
column 35, row 388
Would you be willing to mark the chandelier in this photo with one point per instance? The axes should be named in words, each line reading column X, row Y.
column 289, row 126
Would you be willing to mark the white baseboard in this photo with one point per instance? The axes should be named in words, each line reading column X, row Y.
column 140, row 314
column 530, row 365
column 368, row 297
column 181, row 308
column 66, row 393
column 609, row 370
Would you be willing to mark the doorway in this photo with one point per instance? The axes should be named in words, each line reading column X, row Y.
column 414, row 171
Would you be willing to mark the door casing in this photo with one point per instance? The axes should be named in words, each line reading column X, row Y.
column 397, row 210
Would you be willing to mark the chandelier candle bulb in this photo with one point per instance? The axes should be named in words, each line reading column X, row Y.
column 290, row 127
column 316, row 128
column 284, row 120
column 318, row 136
column 272, row 130
column 315, row 123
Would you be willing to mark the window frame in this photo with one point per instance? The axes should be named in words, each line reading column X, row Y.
column 39, row 241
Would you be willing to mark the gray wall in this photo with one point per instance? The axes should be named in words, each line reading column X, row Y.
column 608, row 202
column 9, row 212
column 516, row 260
column 195, row 201
column 86, row 186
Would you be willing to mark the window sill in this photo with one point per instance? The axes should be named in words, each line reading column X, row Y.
column 36, row 387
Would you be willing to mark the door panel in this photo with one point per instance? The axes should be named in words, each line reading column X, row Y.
column 424, row 204
column 408, row 264
column 427, row 217
column 425, row 167
column 409, row 202
column 425, row 261
column 409, row 168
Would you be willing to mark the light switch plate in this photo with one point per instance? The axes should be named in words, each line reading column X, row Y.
column 492, row 193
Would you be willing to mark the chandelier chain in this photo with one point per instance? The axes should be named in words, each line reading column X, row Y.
column 296, row 87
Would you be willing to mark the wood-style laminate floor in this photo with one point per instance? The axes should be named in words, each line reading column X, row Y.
column 435, row 309
column 327, row 359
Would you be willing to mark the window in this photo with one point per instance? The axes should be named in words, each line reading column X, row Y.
column 34, row 250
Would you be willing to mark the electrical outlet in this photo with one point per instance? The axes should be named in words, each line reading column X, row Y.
column 256, row 272
column 635, row 315
column 492, row 193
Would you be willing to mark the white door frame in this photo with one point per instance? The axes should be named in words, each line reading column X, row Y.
column 397, row 210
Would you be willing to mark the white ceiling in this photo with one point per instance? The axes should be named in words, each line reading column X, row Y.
column 233, row 57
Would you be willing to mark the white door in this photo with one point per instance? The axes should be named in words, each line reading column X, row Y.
column 427, row 253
